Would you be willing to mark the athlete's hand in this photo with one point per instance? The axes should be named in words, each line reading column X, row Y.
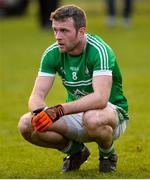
column 43, row 120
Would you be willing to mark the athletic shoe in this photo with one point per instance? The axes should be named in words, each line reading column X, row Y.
column 108, row 164
column 73, row 162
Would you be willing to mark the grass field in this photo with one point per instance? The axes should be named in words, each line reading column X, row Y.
column 21, row 45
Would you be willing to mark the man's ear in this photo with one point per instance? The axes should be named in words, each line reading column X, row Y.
column 82, row 31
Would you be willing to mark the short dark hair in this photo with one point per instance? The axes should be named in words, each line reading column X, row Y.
column 70, row 11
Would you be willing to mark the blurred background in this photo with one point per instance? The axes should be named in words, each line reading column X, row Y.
column 24, row 35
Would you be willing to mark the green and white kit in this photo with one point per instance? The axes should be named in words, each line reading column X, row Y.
column 76, row 72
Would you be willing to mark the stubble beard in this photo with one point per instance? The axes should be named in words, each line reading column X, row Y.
column 73, row 48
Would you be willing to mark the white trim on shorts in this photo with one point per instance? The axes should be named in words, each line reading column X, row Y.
column 120, row 129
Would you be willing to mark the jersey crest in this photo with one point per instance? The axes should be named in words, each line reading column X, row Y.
column 79, row 93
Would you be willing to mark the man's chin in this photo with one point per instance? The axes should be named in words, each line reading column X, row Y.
column 62, row 50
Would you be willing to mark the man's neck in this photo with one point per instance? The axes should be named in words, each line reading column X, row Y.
column 80, row 47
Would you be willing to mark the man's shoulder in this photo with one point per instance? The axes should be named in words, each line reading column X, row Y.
column 51, row 54
column 94, row 37
column 96, row 42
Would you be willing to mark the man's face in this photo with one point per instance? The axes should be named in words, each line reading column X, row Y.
column 66, row 35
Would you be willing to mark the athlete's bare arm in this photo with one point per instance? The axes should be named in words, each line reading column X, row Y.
column 98, row 99
column 40, row 90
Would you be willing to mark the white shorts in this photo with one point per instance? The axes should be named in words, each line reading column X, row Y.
column 77, row 132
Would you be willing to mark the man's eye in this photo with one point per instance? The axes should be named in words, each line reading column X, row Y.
column 63, row 30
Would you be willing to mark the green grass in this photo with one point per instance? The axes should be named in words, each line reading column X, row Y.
column 22, row 43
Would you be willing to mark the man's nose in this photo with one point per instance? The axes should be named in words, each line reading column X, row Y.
column 58, row 35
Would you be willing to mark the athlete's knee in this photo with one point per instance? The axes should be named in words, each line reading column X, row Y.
column 91, row 120
column 96, row 125
column 24, row 124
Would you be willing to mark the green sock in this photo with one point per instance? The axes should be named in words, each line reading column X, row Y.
column 72, row 147
column 106, row 152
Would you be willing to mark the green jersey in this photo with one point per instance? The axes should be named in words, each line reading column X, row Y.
column 77, row 72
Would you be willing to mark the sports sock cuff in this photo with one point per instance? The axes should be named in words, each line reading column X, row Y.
column 72, row 147
column 105, row 152
column 67, row 147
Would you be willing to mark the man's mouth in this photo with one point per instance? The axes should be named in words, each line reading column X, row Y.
column 61, row 45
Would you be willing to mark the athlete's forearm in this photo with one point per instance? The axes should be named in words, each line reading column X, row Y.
column 88, row 102
column 36, row 102
column 96, row 100
column 41, row 88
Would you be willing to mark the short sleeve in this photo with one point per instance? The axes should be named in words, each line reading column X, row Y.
column 48, row 62
column 104, row 61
